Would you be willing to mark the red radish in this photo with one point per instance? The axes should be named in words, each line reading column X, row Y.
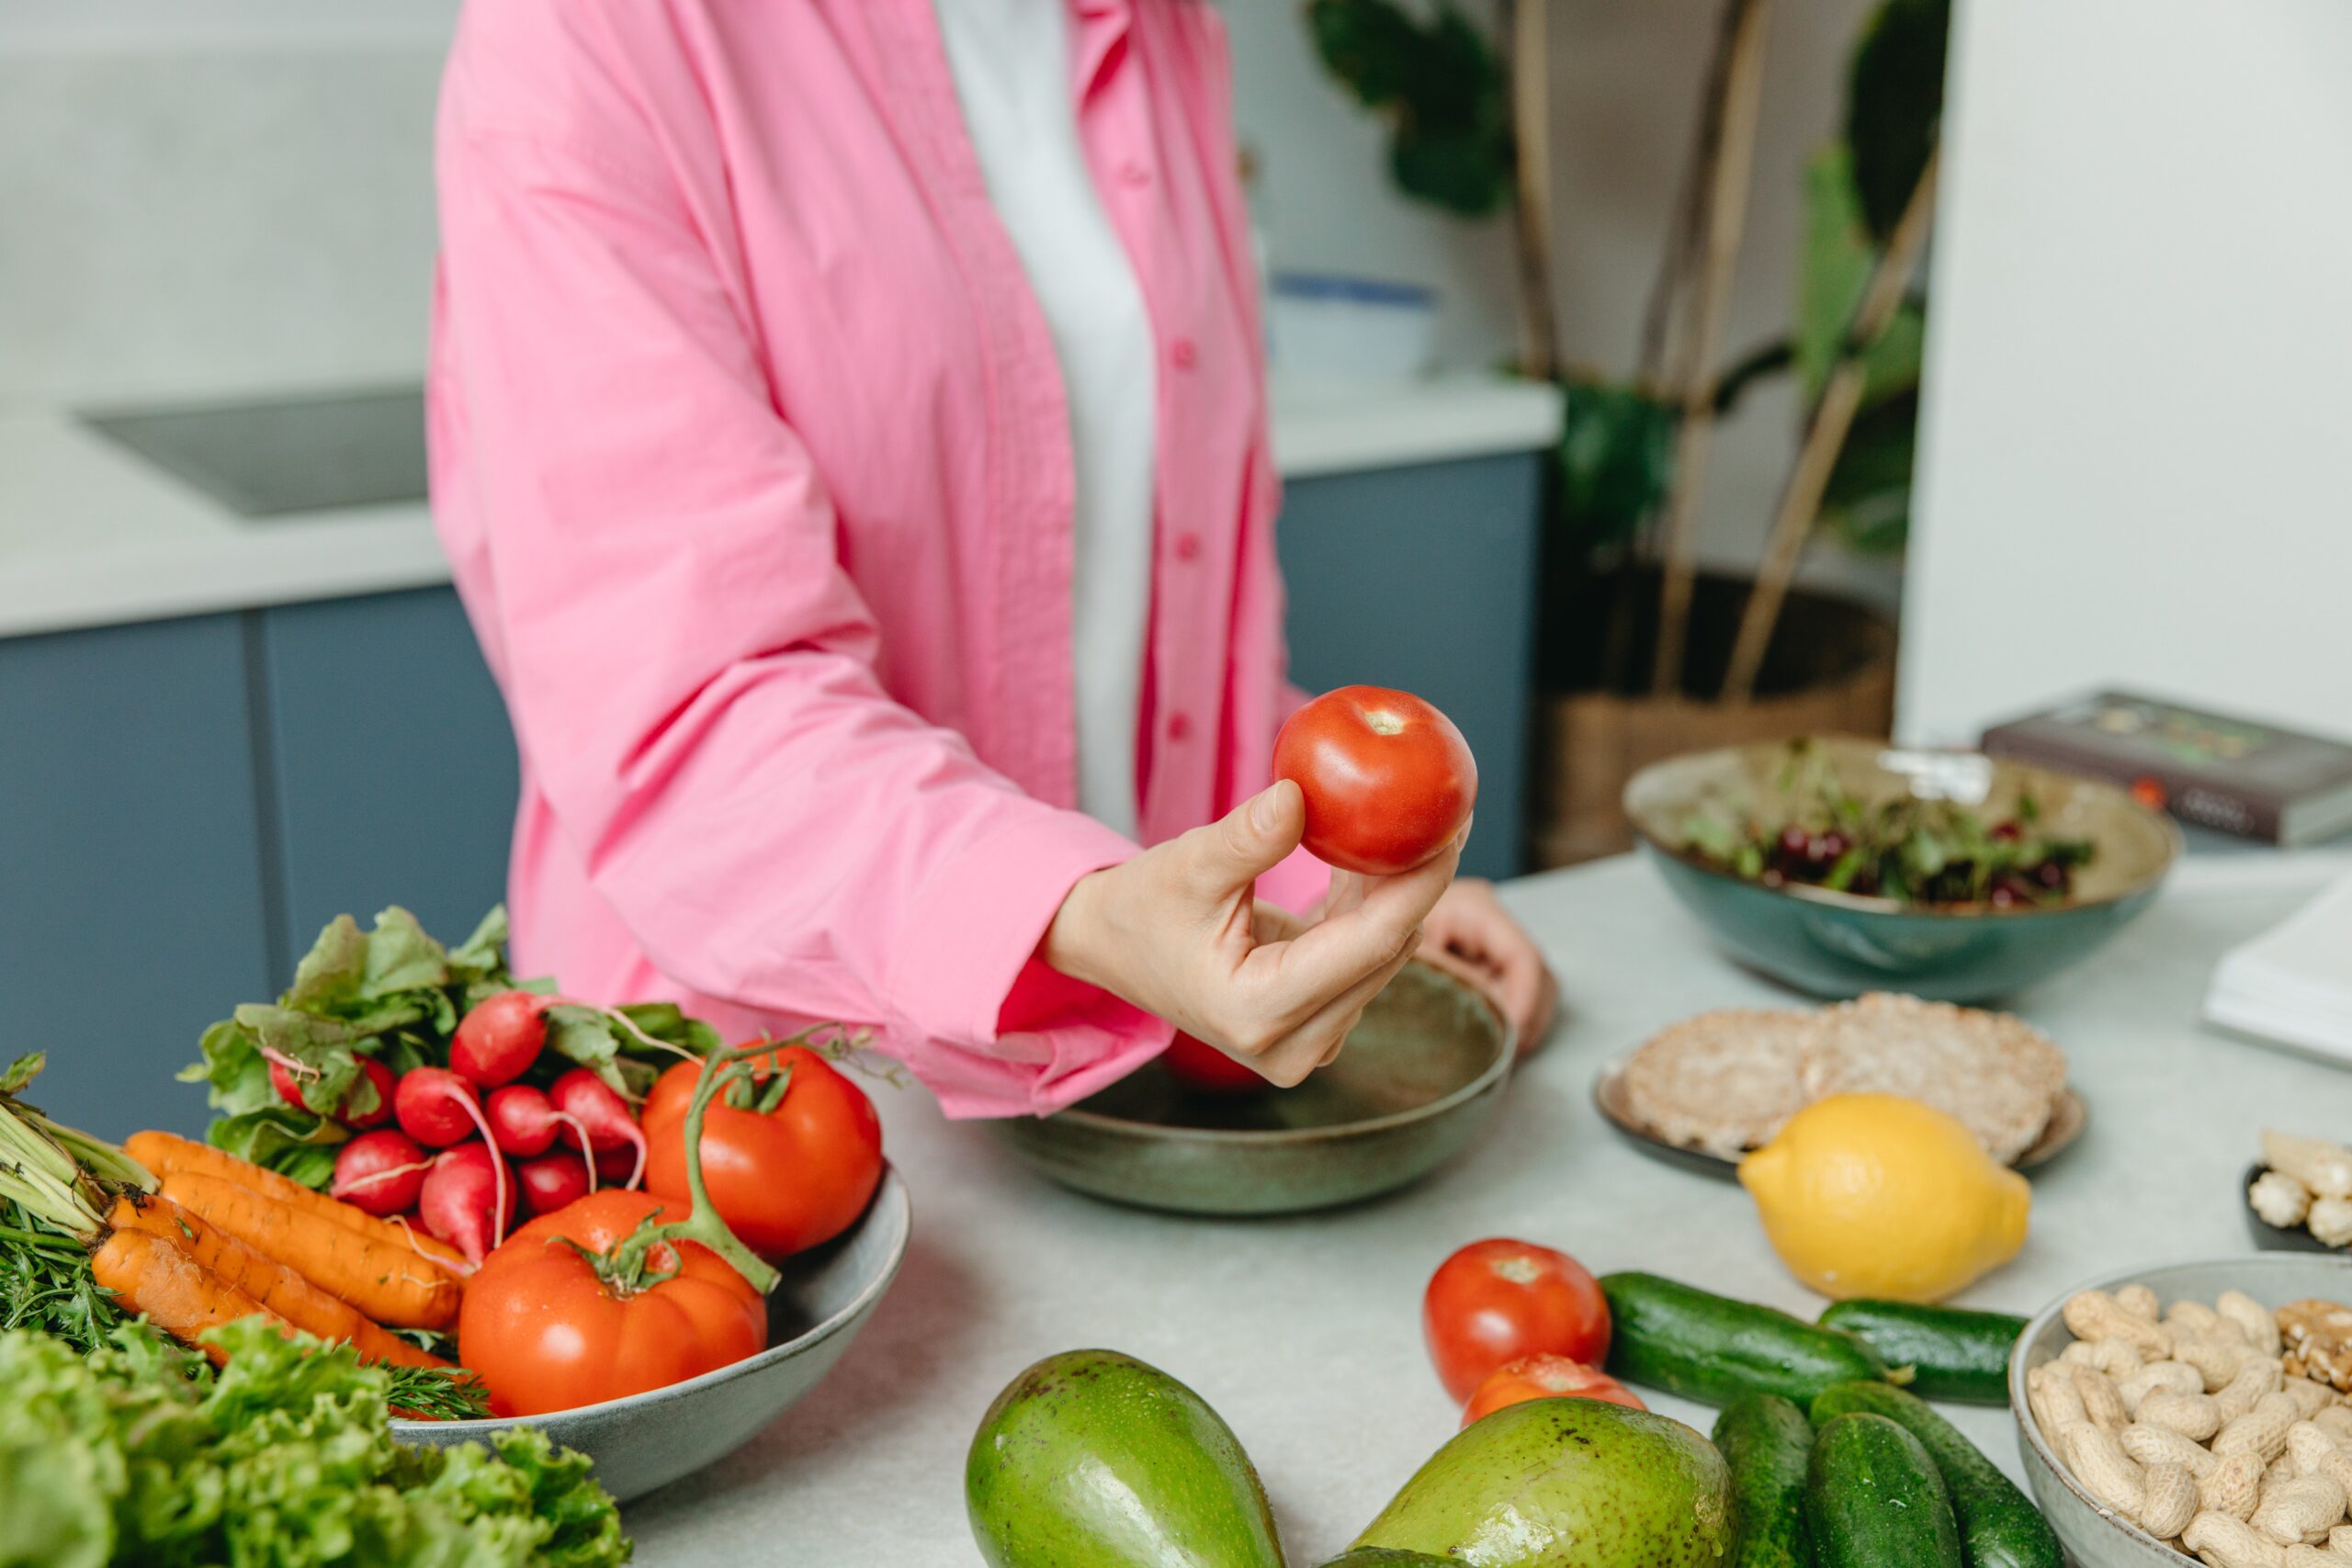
column 437, row 1108
column 500, row 1037
column 615, row 1163
column 602, row 1114
column 379, row 1172
column 466, row 1200
column 553, row 1180
column 523, row 1121
column 290, row 1078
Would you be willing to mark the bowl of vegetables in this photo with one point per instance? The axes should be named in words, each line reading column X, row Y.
column 1839, row 865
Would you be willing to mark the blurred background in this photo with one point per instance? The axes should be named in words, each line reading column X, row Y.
column 1649, row 378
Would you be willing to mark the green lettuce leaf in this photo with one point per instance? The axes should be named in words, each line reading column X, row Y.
column 295, row 1144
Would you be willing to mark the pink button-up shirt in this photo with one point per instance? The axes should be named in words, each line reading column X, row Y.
column 750, row 457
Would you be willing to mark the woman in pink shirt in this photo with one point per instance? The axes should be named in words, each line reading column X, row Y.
column 797, row 464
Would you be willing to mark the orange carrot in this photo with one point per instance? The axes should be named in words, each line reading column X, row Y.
column 384, row 1279
column 164, row 1154
column 179, row 1295
column 266, row 1280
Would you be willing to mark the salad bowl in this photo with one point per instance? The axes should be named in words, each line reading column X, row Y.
column 650, row 1439
column 1837, row 944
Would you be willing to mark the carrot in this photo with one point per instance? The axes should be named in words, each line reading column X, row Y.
column 179, row 1295
column 164, row 1154
column 266, row 1280
column 386, row 1281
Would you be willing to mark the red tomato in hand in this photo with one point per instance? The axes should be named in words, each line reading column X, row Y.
column 783, row 1180
column 545, row 1333
column 1545, row 1377
column 1496, row 1301
column 1201, row 1067
column 1388, row 780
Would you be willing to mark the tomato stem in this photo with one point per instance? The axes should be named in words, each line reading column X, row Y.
column 626, row 1264
column 773, row 1096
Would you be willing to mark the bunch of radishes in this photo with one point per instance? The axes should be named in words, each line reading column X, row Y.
column 495, row 1143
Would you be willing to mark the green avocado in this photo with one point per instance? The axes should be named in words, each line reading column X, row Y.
column 1381, row 1557
column 1566, row 1484
column 1092, row 1460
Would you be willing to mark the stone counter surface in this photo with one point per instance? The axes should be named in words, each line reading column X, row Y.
column 1305, row 1333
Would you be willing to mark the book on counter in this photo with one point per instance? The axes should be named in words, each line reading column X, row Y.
column 2256, row 780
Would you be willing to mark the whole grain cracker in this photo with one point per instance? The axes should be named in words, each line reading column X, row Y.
column 1997, row 1074
column 1722, row 1082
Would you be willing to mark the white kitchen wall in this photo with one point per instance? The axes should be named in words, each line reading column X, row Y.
column 2139, row 416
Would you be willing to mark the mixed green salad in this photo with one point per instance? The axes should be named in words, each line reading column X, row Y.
column 1925, row 852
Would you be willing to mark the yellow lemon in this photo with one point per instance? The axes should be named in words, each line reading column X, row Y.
column 1874, row 1195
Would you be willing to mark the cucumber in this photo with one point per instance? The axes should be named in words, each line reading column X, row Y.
column 1873, row 1499
column 1953, row 1354
column 1767, row 1442
column 1999, row 1527
column 1712, row 1349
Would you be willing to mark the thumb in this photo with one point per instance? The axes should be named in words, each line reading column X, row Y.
column 1250, row 840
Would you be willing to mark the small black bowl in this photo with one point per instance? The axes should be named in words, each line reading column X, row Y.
column 2270, row 1237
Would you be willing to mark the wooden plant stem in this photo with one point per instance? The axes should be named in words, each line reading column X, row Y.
column 1824, row 436
column 1531, row 90
column 1673, row 282
column 1726, row 217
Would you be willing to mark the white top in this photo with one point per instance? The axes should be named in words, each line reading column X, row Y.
column 1012, row 63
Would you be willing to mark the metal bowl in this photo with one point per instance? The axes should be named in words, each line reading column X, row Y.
column 1419, row 1076
column 1840, row 944
column 2094, row 1534
column 651, row 1440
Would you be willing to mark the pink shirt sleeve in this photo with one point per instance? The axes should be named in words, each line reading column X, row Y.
column 692, row 674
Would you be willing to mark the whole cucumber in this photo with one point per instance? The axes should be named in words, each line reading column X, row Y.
column 1953, row 1353
column 1873, row 1499
column 1711, row 1348
column 1999, row 1525
column 1767, row 1442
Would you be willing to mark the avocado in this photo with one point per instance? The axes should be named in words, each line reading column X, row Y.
column 1553, row 1483
column 1381, row 1557
column 1093, row 1460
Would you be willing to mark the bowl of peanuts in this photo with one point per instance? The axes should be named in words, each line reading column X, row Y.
column 2194, row 1408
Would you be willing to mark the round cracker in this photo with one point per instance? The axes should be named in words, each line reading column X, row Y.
column 1999, row 1076
column 1722, row 1082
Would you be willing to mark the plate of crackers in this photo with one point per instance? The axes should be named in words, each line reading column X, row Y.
column 1703, row 1092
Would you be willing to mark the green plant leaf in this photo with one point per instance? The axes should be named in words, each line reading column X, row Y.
column 1615, row 458
column 586, row 1035
column 293, row 1143
column 22, row 1071
column 1867, row 503
column 1894, row 99
column 1441, row 87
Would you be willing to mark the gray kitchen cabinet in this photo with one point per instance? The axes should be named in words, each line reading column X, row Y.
column 132, row 884
column 1423, row 578
column 393, row 765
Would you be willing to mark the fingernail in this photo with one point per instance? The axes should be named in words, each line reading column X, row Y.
column 1265, row 812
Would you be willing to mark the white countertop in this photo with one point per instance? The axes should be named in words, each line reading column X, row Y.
column 1305, row 1333
column 92, row 535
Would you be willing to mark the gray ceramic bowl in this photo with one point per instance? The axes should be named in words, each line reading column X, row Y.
column 1420, row 1075
column 1840, row 944
column 2094, row 1534
column 651, row 1440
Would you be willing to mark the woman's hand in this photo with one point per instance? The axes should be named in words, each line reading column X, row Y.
column 1470, row 932
column 1177, row 931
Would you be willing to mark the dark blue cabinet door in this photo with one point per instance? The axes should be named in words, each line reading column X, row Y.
column 391, row 774
column 1423, row 578
column 131, row 902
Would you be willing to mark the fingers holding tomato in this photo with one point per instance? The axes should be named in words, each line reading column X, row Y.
column 1545, row 1377
column 789, row 1157
column 1388, row 780
column 1496, row 1301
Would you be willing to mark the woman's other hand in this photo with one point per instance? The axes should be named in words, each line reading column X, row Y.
column 1470, row 932
column 1178, row 932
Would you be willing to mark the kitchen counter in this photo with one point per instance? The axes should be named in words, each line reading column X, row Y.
column 1305, row 1333
column 91, row 535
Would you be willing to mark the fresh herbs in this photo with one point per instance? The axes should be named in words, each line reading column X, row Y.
column 139, row 1454
column 1924, row 851
column 55, row 1186
column 393, row 994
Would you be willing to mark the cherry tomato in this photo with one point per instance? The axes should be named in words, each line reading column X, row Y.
column 545, row 1333
column 1545, row 1377
column 1496, row 1301
column 1388, row 780
column 784, row 1178
column 1201, row 1067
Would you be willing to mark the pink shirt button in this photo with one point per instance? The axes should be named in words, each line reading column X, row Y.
column 1182, row 351
column 1188, row 547
column 1180, row 727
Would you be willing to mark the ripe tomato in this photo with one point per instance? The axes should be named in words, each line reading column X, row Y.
column 1204, row 1069
column 1388, row 780
column 1496, row 1301
column 1545, row 1377
column 786, row 1179
column 545, row 1333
